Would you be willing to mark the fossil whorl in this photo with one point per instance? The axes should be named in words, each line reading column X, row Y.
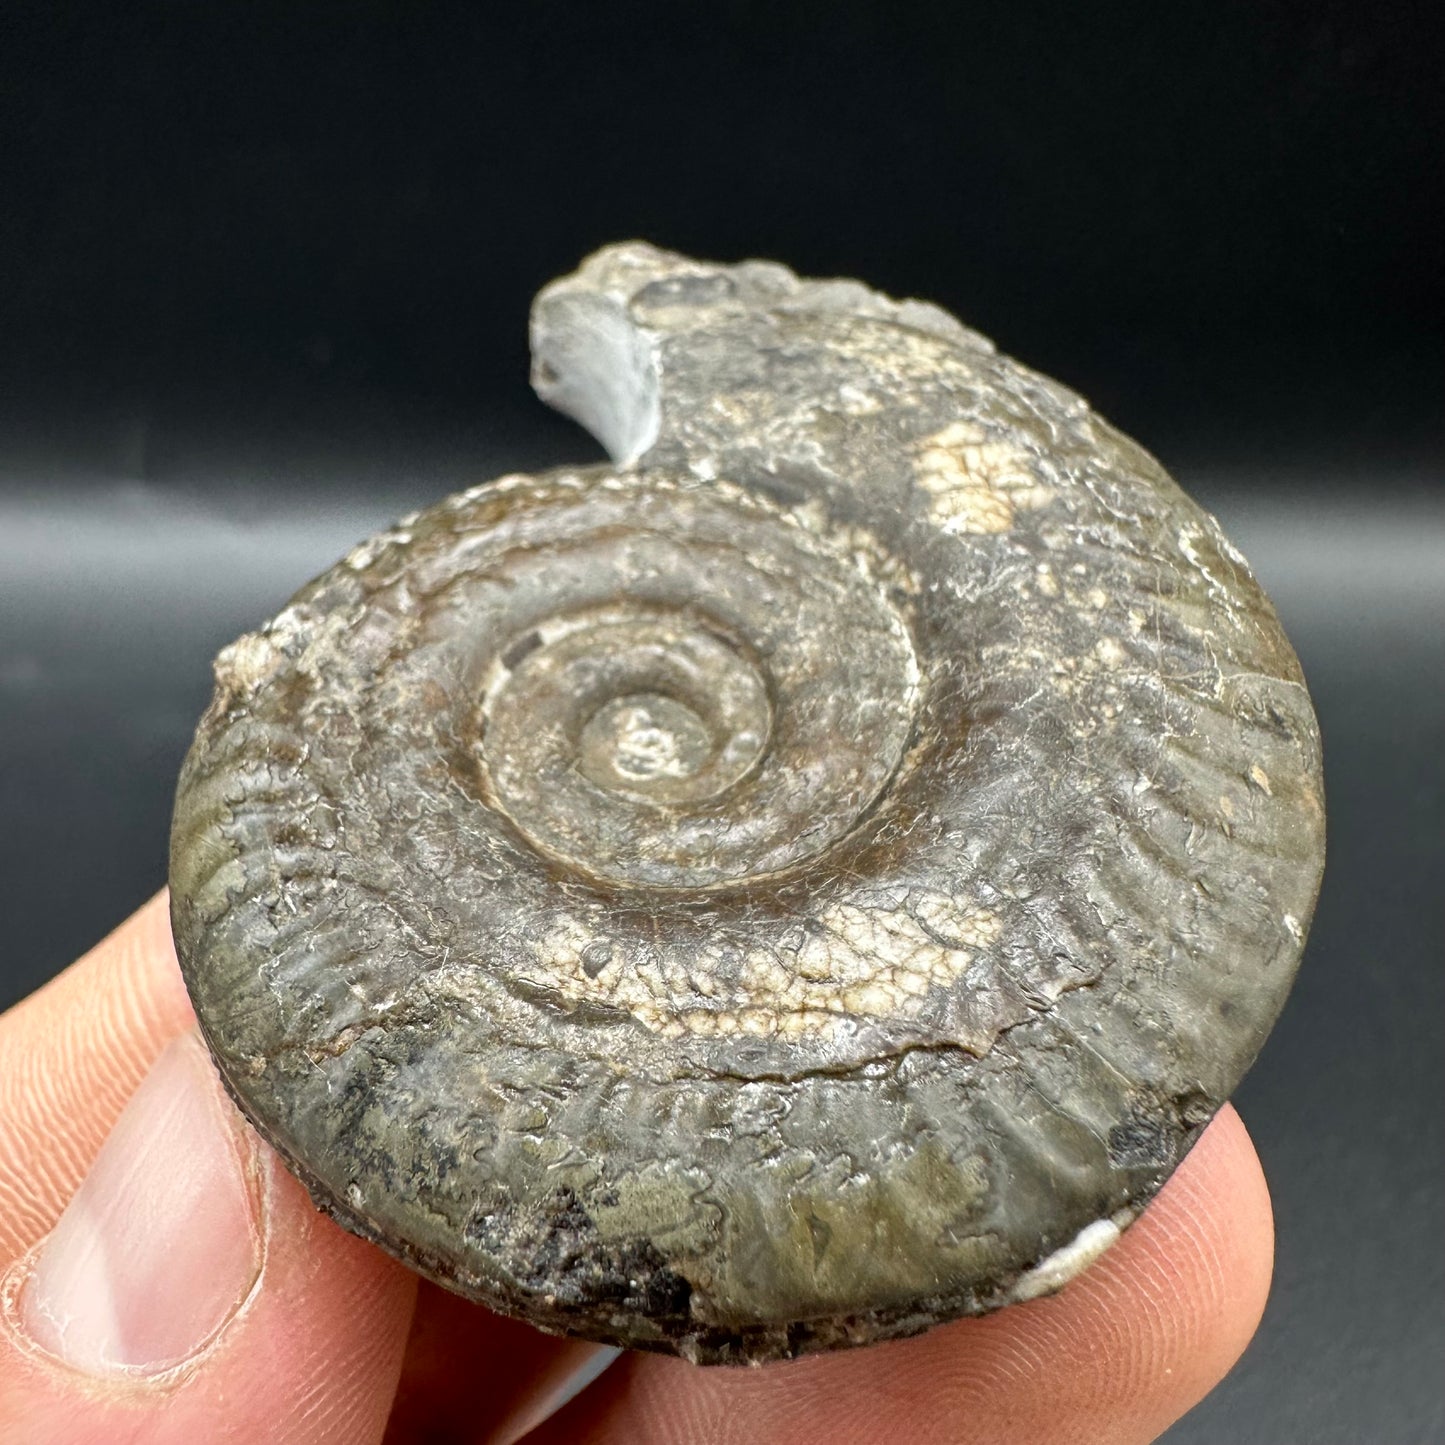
column 808, row 879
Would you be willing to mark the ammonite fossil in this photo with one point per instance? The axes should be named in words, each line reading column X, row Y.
column 810, row 878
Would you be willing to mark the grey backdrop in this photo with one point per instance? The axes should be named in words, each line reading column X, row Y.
column 264, row 271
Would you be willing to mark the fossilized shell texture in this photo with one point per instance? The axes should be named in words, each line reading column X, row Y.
column 810, row 878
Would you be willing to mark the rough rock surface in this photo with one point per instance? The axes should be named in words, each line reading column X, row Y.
column 807, row 880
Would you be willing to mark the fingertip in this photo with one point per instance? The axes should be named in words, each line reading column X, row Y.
column 1217, row 1221
column 1113, row 1359
column 1149, row 1330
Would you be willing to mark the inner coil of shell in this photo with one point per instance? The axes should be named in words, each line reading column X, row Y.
column 778, row 889
column 655, row 707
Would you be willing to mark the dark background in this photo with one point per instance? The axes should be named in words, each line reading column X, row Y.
column 264, row 273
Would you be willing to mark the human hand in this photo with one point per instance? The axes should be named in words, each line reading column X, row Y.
column 164, row 1281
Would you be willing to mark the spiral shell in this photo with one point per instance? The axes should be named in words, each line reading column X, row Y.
column 810, row 878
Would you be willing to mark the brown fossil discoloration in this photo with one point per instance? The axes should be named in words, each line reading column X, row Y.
column 808, row 879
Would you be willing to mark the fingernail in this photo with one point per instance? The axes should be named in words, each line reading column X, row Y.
column 578, row 1365
column 161, row 1243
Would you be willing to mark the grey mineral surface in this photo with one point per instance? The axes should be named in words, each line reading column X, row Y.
column 808, row 879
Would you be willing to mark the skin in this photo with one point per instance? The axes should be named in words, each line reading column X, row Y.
column 336, row 1342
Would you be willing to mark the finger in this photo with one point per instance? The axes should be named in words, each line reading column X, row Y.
column 474, row 1376
column 190, row 1291
column 70, row 1056
column 1119, row 1354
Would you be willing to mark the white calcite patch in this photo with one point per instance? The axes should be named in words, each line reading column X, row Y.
column 976, row 483
column 1056, row 1270
column 860, row 962
column 242, row 666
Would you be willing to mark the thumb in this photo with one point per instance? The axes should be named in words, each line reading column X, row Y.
column 189, row 1291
